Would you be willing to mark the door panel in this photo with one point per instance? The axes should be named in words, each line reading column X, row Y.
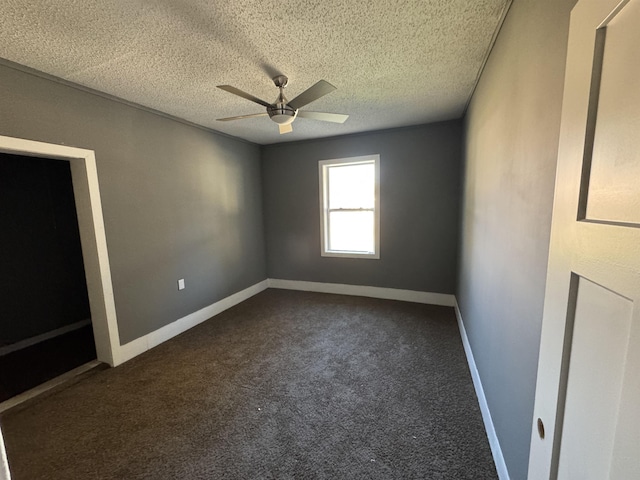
column 613, row 187
column 602, row 323
column 587, row 410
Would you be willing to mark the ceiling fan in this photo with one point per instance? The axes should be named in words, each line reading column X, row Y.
column 283, row 111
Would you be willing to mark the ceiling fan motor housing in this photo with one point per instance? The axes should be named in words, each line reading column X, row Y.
column 282, row 113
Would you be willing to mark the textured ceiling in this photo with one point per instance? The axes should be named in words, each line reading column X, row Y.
column 394, row 62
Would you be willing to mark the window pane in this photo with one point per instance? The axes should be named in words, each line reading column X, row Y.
column 351, row 231
column 352, row 186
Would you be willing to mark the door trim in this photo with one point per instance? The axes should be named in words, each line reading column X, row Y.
column 86, row 190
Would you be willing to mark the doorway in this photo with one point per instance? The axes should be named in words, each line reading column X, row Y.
column 45, row 319
column 92, row 237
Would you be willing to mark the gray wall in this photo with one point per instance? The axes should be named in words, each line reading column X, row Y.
column 178, row 201
column 511, row 138
column 419, row 205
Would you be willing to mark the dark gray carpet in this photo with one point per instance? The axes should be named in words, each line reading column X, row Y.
column 287, row 385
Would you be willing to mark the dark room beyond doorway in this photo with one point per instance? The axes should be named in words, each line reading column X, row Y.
column 45, row 326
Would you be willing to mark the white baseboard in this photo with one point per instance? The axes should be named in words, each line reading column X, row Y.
column 494, row 443
column 150, row 340
column 28, row 342
column 363, row 291
column 140, row 345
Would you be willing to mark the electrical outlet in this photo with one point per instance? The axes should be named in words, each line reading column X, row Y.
column 181, row 284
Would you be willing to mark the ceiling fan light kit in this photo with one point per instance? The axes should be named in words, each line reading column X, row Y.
column 284, row 112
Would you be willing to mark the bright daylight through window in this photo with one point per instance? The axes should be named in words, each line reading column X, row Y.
column 350, row 204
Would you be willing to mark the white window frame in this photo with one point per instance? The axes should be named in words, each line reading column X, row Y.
column 323, row 168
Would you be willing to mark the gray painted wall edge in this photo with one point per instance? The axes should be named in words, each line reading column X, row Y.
column 178, row 201
column 511, row 139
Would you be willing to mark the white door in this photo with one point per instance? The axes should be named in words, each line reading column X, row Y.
column 586, row 421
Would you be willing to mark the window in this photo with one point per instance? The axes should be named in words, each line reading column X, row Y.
column 350, row 207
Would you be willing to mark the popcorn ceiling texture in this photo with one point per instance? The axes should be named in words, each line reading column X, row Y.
column 395, row 62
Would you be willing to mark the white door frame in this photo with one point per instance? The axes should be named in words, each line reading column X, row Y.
column 84, row 175
column 4, row 464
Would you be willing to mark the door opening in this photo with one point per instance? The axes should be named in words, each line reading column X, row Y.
column 45, row 320
column 92, row 237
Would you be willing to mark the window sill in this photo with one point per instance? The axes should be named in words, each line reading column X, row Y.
column 343, row 254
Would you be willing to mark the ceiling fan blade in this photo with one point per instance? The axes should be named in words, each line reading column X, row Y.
column 240, row 93
column 240, row 117
column 325, row 117
column 285, row 128
column 311, row 94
